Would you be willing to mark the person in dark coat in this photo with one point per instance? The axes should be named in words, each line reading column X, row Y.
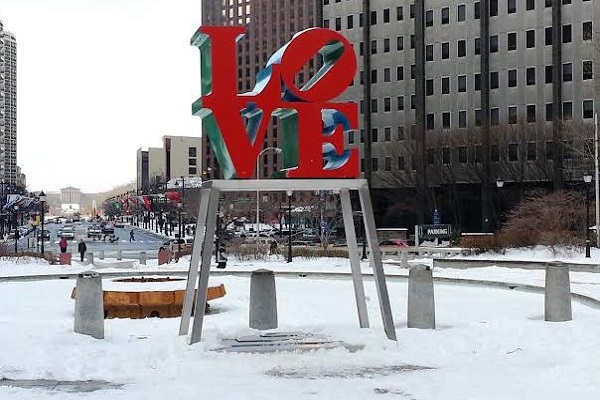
column 63, row 245
column 81, row 248
column 131, row 237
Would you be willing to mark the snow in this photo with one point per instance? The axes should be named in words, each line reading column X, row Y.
column 489, row 343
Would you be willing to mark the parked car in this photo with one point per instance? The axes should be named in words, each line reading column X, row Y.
column 45, row 235
column 108, row 229
column 119, row 224
column 394, row 242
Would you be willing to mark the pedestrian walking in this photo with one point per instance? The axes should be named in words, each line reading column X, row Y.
column 131, row 237
column 63, row 245
column 81, row 248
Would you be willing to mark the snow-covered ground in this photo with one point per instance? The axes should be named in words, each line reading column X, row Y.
column 489, row 343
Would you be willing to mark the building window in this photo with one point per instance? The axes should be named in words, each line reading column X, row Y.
column 530, row 39
column 549, row 112
column 374, row 17
column 351, row 137
column 192, row 151
column 429, row 52
column 388, row 163
column 588, row 109
column 446, row 159
column 338, row 23
column 511, row 7
column 512, row 78
column 493, row 8
column 567, row 110
column 400, row 43
column 400, row 103
column 192, row 161
column 477, row 46
column 495, row 153
column 513, row 152
column 350, row 21
column 494, row 44
column 566, row 34
column 387, row 76
column 374, row 104
column 512, row 115
column 549, row 72
column 531, row 151
column 478, row 117
column 192, row 170
column 462, row 154
column 495, row 116
column 386, row 15
column 494, row 80
column 462, row 119
column 587, row 30
column 445, row 50
column 476, row 10
column 430, row 122
column 530, row 76
column 512, row 41
column 400, row 133
column 374, row 76
column 430, row 155
column 462, row 83
column 531, row 113
column 567, row 72
column 445, row 15
column 530, row 5
column 387, row 134
column 386, row 45
column 387, row 104
column 429, row 18
column 461, row 12
column 445, row 85
column 462, row 48
column 446, row 120
column 374, row 135
column 399, row 13
column 412, row 41
column 429, row 87
column 373, row 46
column 548, row 36
column 477, row 79
column 401, row 164
column 587, row 70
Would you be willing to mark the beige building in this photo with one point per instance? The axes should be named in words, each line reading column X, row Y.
column 179, row 157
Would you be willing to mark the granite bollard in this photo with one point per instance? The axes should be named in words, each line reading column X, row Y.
column 119, row 254
column 90, row 258
column 89, row 305
column 421, row 302
column 263, row 300
column 557, row 297
column 142, row 257
column 101, row 254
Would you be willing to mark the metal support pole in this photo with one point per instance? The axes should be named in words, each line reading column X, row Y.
column 289, row 223
column 42, row 244
column 587, row 221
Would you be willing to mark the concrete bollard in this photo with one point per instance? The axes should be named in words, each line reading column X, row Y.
column 143, row 257
column 421, row 303
column 119, row 254
column 404, row 259
column 89, row 305
column 263, row 300
column 557, row 299
column 90, row 258
column 102, row 254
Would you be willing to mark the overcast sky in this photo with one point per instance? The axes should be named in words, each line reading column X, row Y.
column 96, row 80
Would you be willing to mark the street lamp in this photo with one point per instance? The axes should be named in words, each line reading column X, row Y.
column 587, row 178
column 182, row 201
column 42, row 197
column 277, row 150
column 289, row 224
column 16, row 210
column 499, row 185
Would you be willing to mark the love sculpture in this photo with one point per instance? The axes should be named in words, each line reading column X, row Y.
column 312, row 143
column 312, row 127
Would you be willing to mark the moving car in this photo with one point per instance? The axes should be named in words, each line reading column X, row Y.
column 44, row 235
column 108, row 229
column 94, row 231
column 68, row 233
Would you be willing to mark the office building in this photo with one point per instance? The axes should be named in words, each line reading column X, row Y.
column 8, row 108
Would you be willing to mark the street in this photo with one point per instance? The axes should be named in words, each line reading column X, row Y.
column 146, row 241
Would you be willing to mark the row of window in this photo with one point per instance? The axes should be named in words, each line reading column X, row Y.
column 587, row 112
column 461, row 44
column 461, row 12
column 474, row 154
column 512, row 80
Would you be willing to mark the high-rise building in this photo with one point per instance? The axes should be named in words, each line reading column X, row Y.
column 457, row 94
column 270, row 24
column 8, row 108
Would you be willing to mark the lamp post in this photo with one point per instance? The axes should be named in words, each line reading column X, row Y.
column 42, row 197
column 587, row 178
column 16, row 210
column 180, row 205
column 499, row 185
column 289, row 223
column 277, row 150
